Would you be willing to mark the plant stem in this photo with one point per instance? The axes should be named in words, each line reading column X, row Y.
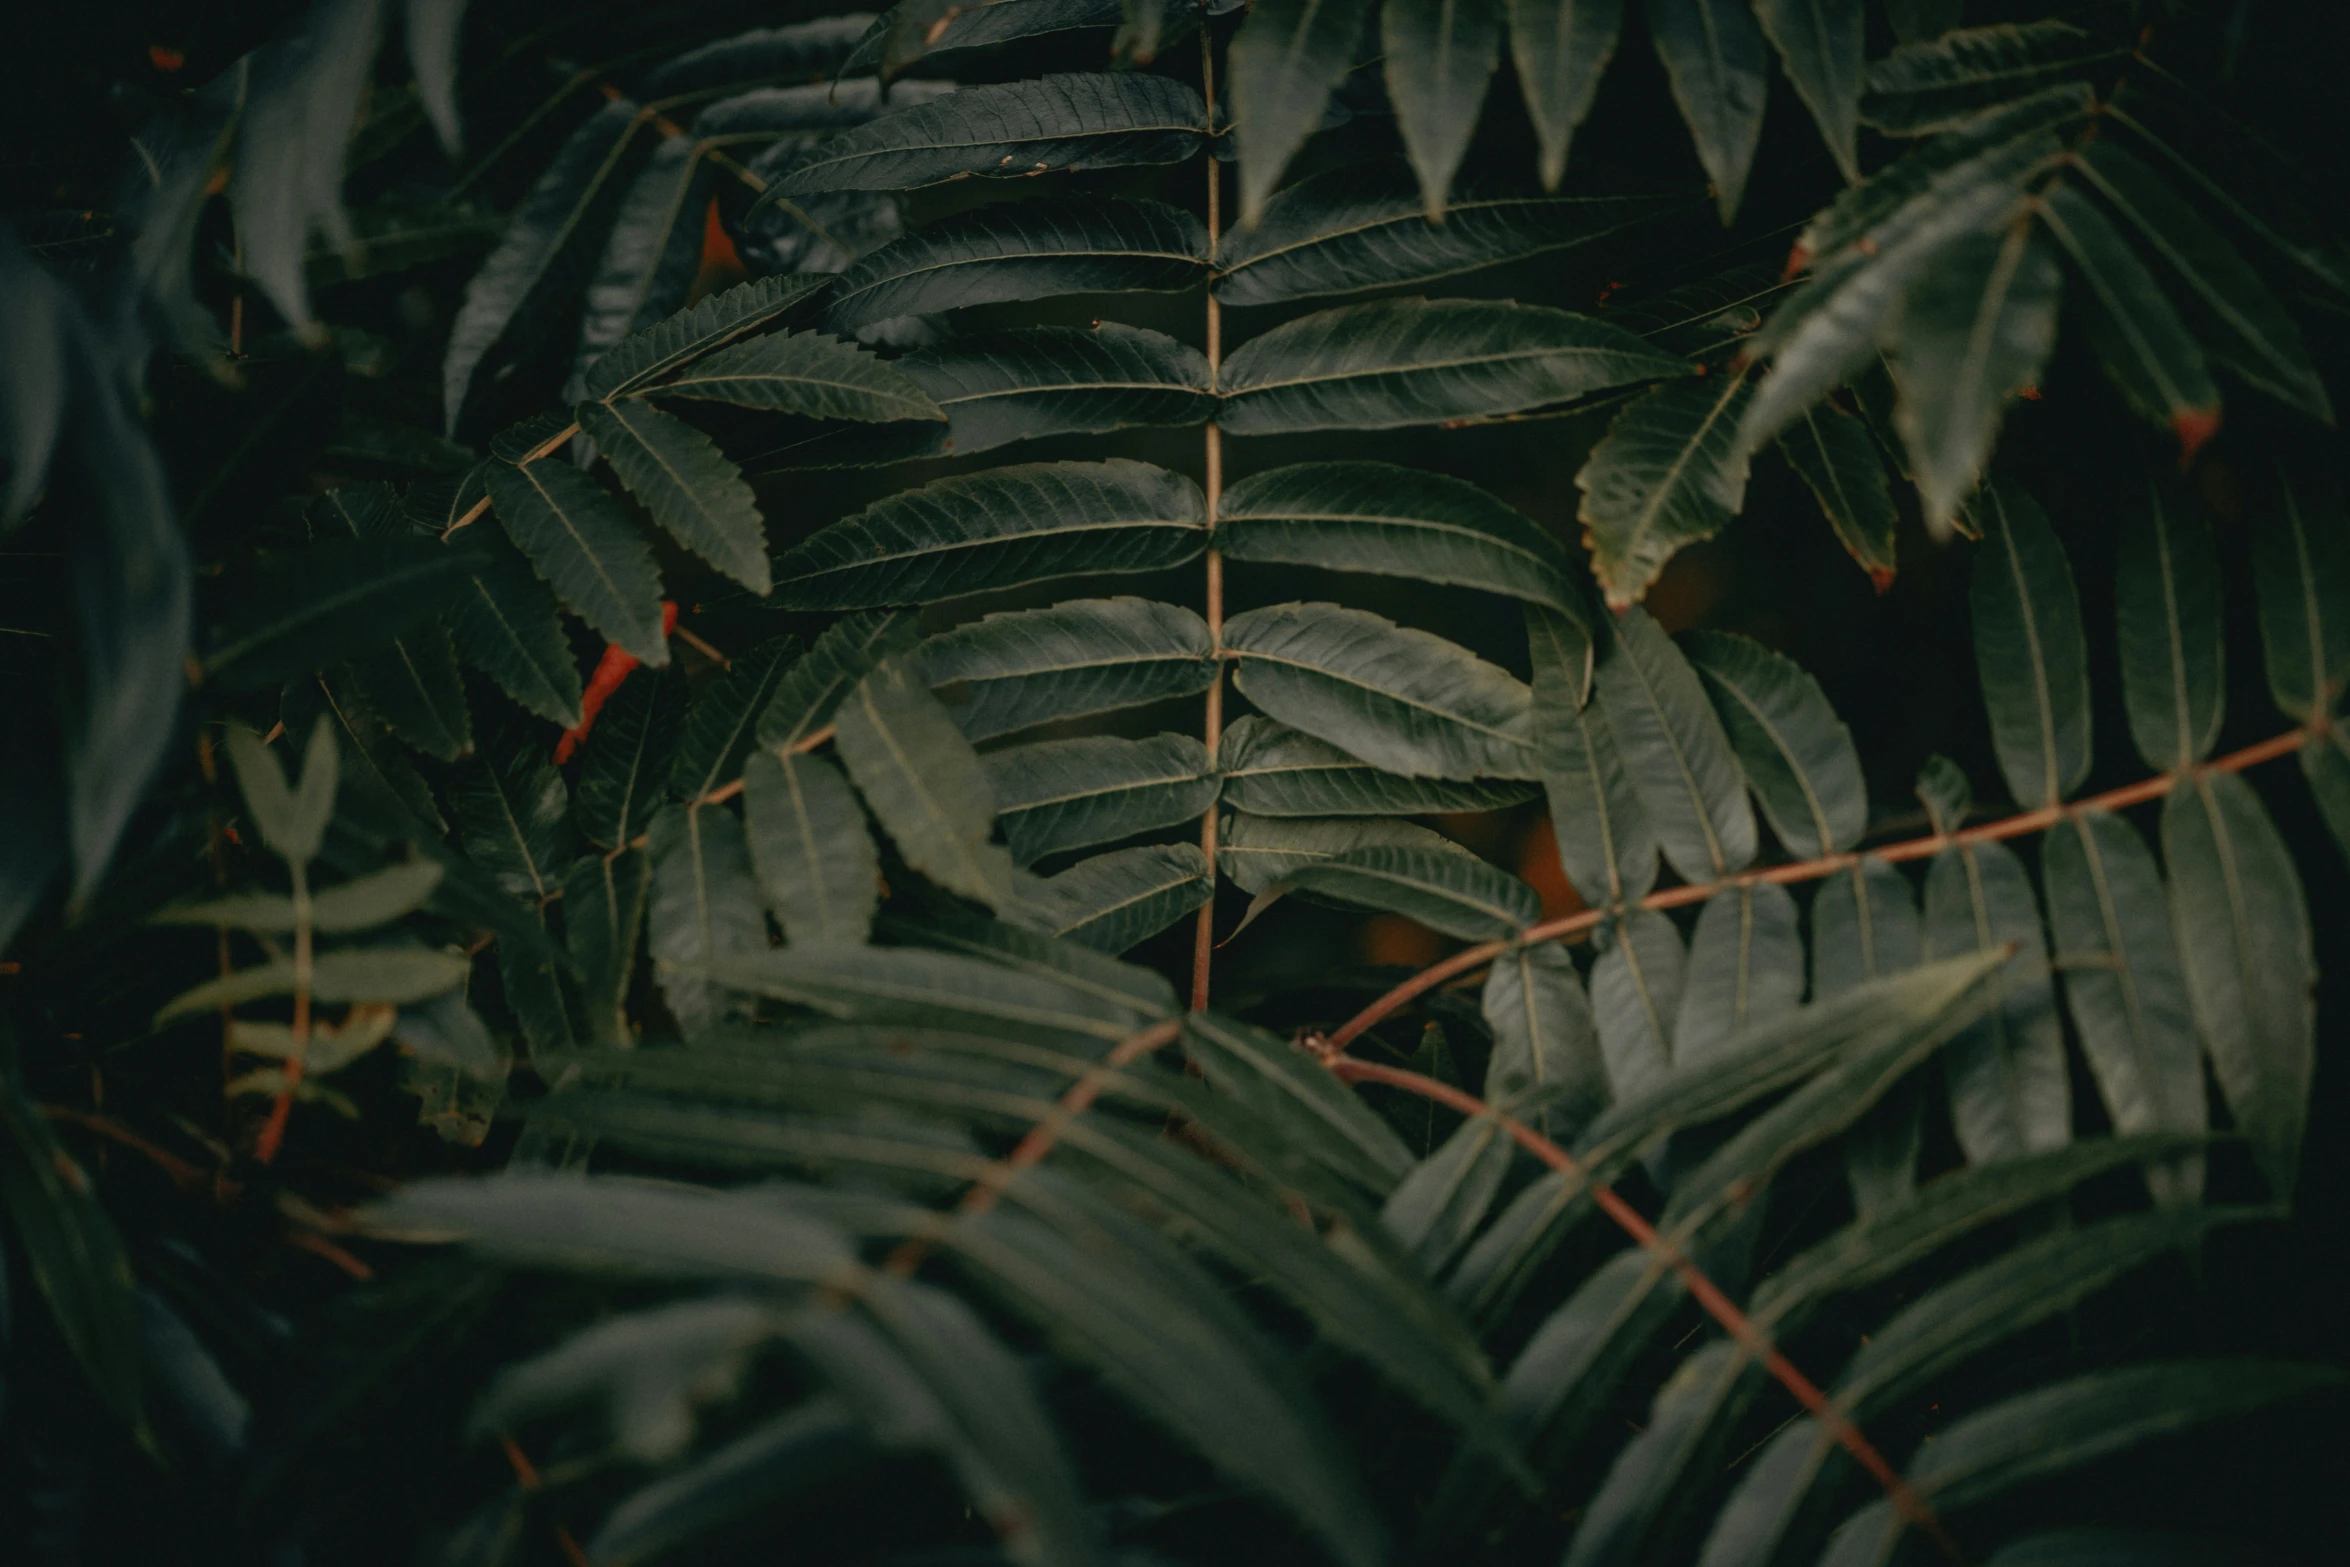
column 273, row 1131
column 1203, row 945
column 2016, row 826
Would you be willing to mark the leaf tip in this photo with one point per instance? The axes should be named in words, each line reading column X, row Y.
column 1881, row 578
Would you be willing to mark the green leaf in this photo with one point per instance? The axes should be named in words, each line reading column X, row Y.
column 924, row 782
column 1606, row 844
column 2145, row 347
column 704, row 905
column 2301, row 571
column 1456, row 894
column 811, row 689
column 1973, row 332
column 1299, row 1097
column 1274, row 770
column 513, row 817
column 1832, row 452
column 1636, row 988
column 1745, row 968
column 1821, row 44
column 1114, row 901
column 2029, row 650
column 359, row 904
column 75, row 1256
column 719, row 727
column 1395, row 522
column 1010, row 131
column 1434, row 1210
column 808, row 1448
column 802, row 373
column 1796, row 752
column 1025, row 523
column 907, row 985
column 292, row 819
column 1439, row 56
column 1669, row 472
column 1713, row 53
column 816, row 863
column 2167, row 605
column 1024, row 250
column 1068, row 794
column 587, row 548
column 1288, row 58
column 333, row 601
column 1545, row 1041
column 603, row 915
column 395, row 974
column 1864, row 924
column 624, row 771
column 1397, row 362
column 654, row 249
column 414, row 686
column 1675, row 751
column 1081, row 656
column 1261, row 852
column 1402, row 700
column 1061, row 380
column 1361, row 226
column 507, row 626
column 667, row 346
column 382, row 783
column 2124, row 984
column 1700, row 1399
column 2247, row 332
column 2009, row 1092
column 1146, row 992
column 2243, row 933
column 1560, row 49
column 1942, row 788
column 695, row 494
column 1927, row 87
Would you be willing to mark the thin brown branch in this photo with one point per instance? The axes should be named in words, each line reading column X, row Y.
column 1203, row 946
column 2020, row 825
column 547, row 447
column 1742, row 1329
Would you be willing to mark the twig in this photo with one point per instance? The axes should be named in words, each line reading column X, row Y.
column 1203, row 945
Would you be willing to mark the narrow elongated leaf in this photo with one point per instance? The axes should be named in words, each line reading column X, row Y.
column 1668, row 473
column 1067, row 794
column 2301, row 569
column 1930, row 86
column 1864, row 924
column 667, row 346
column 1606, row 844
column 2009, row 1093
column 719, row 727
column 1439, row 56
column 1796, row 752
column 815, row 861
column 2029, row 650
column 811, row 690
column 1146, row 992
column 2243, row 934
column 653, row 251
column 513, row 817
column 1821, row 44
column 2251, row 335
column 395, row 974
column 358, row 904
column 583, row 544
column 704, row 905
column 924, row 782
column 995, row 529
column 1675, row 752
column 1061, row 380
column 325, row 604
column 507, row 625
column 1024, row 250
column 1274, row 770
column 1545, row 1041
column 1832, row 452
column 1260, row 852
column 947, row 990
column 1361, row 226
column 1973, row 332
column 1400, row 699
column 2146, row 348
column 624, row 767
column 1113, row 901
column 1686, row 1418
column 1010, row 131
column 2167, row 605
column 1713, row 54
column 689, row 486
column 1287, row 59
column 1561, row 48
column 802, row 373
column 1421, row 361
column 1434, row 1210
column 1745, row 968
column 1456, row 894
column 603, row 917
column 1299, row 1096
column 1636, row 989
column 1082, row 656
column 1393, row 521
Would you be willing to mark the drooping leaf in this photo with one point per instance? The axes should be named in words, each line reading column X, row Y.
column 1274, row 770
column 1060, row 380
column 584, row 545
column 1261, row 852
column 603, row 916
column 1068, row 794
column 1545, row 1040
column 2009, row 1092
column 1973, row 332
column 924, row 782
column 339, row 598
column 1010, row 131
column 1361, row 226
column 667, row 346
column 1675, row 752
column 1797, row 754
column 1081, row 656
column 704, row 905
column 506, row 624
column 2029, row 649
column 815, row 861
column 1636, row 989
column 811, row 689
column 1561, row 48
column 1439, row 56
column 1745, row 968
column 2145, row 347
column 1668, row 473
column 1713, row 54
column 995, row 529
column 1397, row 362
column 924, row 989
column 2301, row 570
column 1024, row 250
column 624, row 767
column 1930, row 86
column 1400, row 699
column 1145, row 992
column 1456, row 894
column 1864, row 924
column 1606, row 844
column 1434, row 1210
column 1393, row 521
column 1113, row 901
column 513, row 817
column 802, row 373
column 1287, row 59
column 2167, row 606
column 689, row 486
column 1820, row 45
column 720, row 726
column 1834, row 455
